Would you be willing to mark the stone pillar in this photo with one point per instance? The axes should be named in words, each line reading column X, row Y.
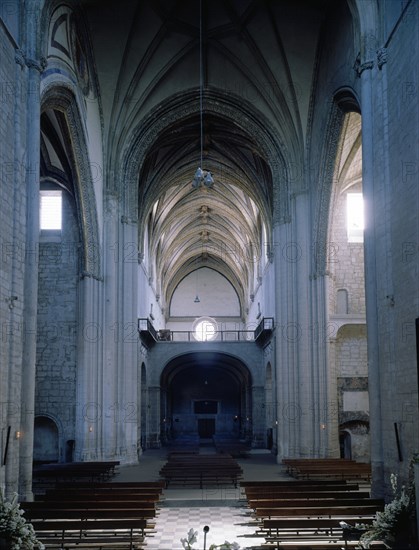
column 374, row 382
column 258, row 417
column 108, row 383
column 89, row 410
column 332, row 420
column 326, row 440
column 154, row 422
column 11, row 378
column 127, row 366
column 34, row 68
column 286, row 330
column 306, row 391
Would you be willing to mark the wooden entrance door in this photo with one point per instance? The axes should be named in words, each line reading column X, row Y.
column 206, row 427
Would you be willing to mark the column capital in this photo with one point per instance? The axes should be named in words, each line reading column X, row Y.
column 20, row 58
column 359, row 67
column 382, row 54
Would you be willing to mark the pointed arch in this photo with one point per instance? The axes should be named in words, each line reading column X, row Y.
column 62, row 99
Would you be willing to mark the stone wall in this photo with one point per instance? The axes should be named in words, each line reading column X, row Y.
column 57, row 325
column 346, row 260
column 13, row 251
column 396, row 114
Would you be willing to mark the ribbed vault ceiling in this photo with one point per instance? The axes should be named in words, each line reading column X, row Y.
column 219, row 227
column 147, row 51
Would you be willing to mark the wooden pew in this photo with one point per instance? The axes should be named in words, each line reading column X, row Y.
column 272, row 495
column 318, row 511
column 138, row 485
column 314, row 503
column 114, row 495
column 200, row 470
column 92, row 533
column 321, row 468
column 88, row 504
column 50, row 511
column 77, row 470
column 309, row 511
column 298, row 525
column 297, row 483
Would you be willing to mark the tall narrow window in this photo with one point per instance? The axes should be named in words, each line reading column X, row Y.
column 51, row 210
column 355, row 217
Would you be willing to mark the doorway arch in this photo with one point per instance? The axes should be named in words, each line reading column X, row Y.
column 205, row 396
column 46, row 440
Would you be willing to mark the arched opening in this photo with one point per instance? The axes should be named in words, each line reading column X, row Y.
column 344, row 262
column 269, row 407
column 46, row 440
column 345, row 444
column 206, row 397
column 354, row 440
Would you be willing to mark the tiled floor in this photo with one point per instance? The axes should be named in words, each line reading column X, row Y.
column 222, row 509
column 225, row 523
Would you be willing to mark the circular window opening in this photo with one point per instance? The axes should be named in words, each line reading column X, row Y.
column 205, row 329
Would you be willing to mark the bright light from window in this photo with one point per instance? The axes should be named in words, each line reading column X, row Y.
column 50, row 214
column 355, row 217
column 205, row 329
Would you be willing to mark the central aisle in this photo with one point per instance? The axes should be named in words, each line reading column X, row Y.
column 222, row 509
column 225, row 523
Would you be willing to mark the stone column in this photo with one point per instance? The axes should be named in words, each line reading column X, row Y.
column 128, row 376
column 11, row 410
column 109, row 376
column 374, row 382
column 286, row 330
column 307, row 393
column 89, row 410
column 258, row 417
column 33, row 132
column 154, row 417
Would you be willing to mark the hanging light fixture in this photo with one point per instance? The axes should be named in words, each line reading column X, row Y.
column 201, row 177
column 197, row 300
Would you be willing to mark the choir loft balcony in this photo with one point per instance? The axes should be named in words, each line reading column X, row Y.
column 149, row 335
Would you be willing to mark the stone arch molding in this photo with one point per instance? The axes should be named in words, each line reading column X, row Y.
column 344, row 101
column 62, row 98
column 183, row 105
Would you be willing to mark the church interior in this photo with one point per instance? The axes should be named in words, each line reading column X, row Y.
column 209, row 232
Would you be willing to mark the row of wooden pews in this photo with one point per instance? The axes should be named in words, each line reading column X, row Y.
column 200, row 470
column 328, row 468
column 95, row 515
column 309, row 512
column 48, row 474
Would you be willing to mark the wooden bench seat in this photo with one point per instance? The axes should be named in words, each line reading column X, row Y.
column 115, row 496
column 94, row 471
column 272, row 495
column 201, row 478
column 298, row 483
column 91, row 533
column 88, row 504
column 314, row 502
column 186, row 469
column 128, row 485
column 301, row 524
column 52, row 512
column 328, row 468
column 317, row 545
column 105, row 543
column 317, row 511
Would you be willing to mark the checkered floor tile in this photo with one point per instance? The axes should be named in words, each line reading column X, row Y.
column 225, row 523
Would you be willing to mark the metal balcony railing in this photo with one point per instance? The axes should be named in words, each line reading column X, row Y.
column 148, row 332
